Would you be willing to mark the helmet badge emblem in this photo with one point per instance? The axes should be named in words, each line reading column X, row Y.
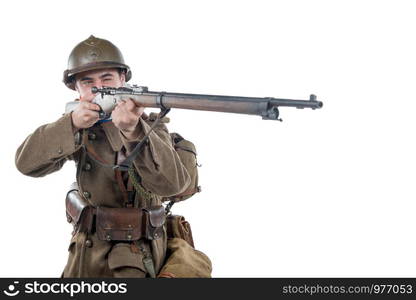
column 94, row 53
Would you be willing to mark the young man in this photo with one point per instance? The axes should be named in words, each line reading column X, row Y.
column 115, row 212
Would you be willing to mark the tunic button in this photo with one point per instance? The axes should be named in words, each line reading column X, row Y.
column 87, row 167
column 87, row 194
column 88, row 243
column 92, row 136
column 60, row 151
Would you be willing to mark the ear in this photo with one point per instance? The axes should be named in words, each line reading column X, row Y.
column 76, row 86
column 122, row 78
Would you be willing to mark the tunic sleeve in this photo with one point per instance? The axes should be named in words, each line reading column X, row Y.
column 47, row 148
column 158, row 164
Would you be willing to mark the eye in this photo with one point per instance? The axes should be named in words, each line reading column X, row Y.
column 87, row 82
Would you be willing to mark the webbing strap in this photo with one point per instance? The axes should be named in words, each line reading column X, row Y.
column 125, row 165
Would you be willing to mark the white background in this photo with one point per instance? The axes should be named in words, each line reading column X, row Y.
column 328, row 192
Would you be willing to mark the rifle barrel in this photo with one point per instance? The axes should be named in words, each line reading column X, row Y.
column 266, row 107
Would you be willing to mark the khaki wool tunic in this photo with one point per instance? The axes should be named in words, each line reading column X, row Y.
column 161, row 171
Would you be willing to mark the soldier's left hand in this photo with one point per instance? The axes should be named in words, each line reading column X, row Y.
column 126, row 116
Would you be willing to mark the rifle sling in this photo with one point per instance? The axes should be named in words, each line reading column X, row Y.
column 128, row 162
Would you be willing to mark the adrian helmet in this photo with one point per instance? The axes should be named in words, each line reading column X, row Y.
column 92, row 54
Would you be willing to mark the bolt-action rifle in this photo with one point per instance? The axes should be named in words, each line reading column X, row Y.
column 268, row 108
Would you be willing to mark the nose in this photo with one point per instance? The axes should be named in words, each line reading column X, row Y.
column 98, row 85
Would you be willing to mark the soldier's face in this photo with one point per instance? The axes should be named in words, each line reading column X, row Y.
column 98, row 78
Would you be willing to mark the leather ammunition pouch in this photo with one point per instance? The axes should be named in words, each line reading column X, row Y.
column 114, row 224
column 155, row 218
column 129, row 224
column 120, row 224
column 75, row 205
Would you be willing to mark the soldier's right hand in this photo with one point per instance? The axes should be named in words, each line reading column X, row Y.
column 85, row 115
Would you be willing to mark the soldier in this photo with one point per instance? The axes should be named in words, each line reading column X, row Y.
column 118, row 217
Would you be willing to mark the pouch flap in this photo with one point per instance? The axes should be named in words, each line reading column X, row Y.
column 180, row 143
column 156, row 215
column 119, row 224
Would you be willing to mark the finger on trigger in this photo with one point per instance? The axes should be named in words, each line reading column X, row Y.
column 93, row 106
column 91, row 113
column 90, row 106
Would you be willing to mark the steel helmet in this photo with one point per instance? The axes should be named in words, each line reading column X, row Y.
column 93, row 54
